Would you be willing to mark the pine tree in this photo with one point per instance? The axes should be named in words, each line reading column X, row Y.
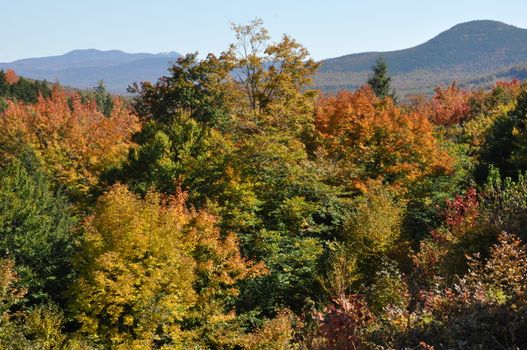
column 103, row 99
column 380, row 80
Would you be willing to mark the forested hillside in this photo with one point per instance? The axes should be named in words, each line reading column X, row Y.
column 244, row 210
column 475, row 54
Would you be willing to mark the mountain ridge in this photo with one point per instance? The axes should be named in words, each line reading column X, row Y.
column 83, row 68
column 474, row 53
column 466, row 51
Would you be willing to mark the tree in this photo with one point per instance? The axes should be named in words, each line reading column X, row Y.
column 200, row 89
column 103, row 99
column 153, row 274
column 376, row 142
column 74, row 140
column 274, row 79
column 380, row 80
column 4, row 86
column 450, row 106
column 506, row 140
column 10, row 77
column 36, row 229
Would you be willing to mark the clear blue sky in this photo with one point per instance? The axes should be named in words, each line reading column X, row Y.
column 328, row 28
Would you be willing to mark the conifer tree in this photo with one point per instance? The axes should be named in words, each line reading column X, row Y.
column 380, row 80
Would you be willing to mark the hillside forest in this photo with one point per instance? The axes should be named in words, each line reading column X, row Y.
column 230, row 206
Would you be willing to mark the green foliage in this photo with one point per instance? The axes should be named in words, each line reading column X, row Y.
column 36, row 228
column 103, row 99
column 375, row 226
column 195, row 88
column 380, row 80
column 245, row 214
column 23, row 90
column 506, row 142
column 388, row 289
column 504, row 204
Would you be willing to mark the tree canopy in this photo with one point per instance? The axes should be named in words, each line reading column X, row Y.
column 227, row 205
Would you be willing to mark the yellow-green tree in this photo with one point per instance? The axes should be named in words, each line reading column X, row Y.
column 153, row 274
column 273, row 79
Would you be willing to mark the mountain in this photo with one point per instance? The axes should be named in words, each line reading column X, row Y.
column 84, row 68
column 475, row 54
column 472, row 53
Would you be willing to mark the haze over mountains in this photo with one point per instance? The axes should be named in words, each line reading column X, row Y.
column 84, row 68
column 474, row 54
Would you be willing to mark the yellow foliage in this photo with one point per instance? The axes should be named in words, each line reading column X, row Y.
column 275, row 334
column 376, row 225
column 147, row 265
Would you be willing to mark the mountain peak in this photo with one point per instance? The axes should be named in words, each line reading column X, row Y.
column 482, row 24
column 479, row 31
column 467, row 50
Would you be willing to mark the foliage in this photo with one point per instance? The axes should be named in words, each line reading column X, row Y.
column 450, row 106
column 344, row 323
column 236, row 143
column 36, row 229
column 195, row 88
column 153, row 274
column 16, row 88
column 379, row 80
column 11, row 294
column 275, row 334
column 103, row 99
column 75, row 143
column 228, row 207
column 505, row 143
column 274, row 79
column 374, row 140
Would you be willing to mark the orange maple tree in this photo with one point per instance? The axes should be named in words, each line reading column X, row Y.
column 72, row 137
column 377, row 140
column 11, row 77
column 450, row 106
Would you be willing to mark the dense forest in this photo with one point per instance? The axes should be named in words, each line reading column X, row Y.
column 230, row 206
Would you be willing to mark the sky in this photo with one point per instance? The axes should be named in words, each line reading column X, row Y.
column 327, row 28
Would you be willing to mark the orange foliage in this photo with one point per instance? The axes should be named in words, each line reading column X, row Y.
column 450, row 106
column 377, row 140
column 74, row 139
column 11, row 77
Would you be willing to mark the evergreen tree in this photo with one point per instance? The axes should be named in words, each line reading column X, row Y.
column 103, row 99
column 36, row 228
column 4, row 86
column 380, row 80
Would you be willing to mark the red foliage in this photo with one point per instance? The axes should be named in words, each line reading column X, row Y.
column 461, row 216
column 462, row 211
column 343, row 322
column 450, row 106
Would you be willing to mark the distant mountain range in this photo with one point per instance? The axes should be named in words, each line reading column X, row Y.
column 475, row 54
column 84, row 68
